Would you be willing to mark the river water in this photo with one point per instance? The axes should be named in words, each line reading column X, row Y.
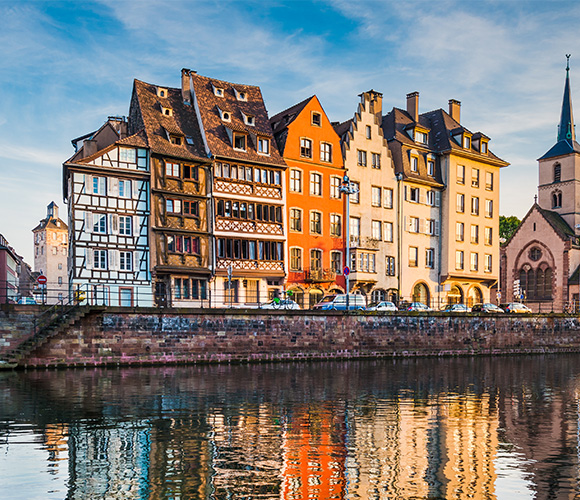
column 505, row 428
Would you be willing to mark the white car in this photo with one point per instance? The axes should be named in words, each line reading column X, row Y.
column 385, row 305
column 280, row 304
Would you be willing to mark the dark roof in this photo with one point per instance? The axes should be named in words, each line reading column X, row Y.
column 281, row 120
column 216, row 130
column 138, row 140
column 183, row 122
column 556, row 221
column 342, row 128
column 51, row 223
column 562, row 148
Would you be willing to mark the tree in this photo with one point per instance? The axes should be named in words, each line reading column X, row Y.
column 508, row 226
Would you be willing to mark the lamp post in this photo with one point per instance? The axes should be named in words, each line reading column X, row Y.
column 348, row 188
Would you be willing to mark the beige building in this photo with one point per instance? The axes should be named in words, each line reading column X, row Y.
column 372, row 225
column 449, row 220
column 51, row 254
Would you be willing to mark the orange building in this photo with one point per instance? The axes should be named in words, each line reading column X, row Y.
column 315, row 207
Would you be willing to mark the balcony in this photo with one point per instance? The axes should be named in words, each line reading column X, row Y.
column 319, row 275
column 364, row 242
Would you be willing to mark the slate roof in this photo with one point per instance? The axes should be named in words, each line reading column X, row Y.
column 216, row 130
column 561, row 148
column 283, row 119
column 555, row 220
column 342, row 128
column 156, row 125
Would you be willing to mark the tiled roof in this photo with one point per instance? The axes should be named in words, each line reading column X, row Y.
column 556, row 221
column 216, row 130
column 342, row 128
column 138, row 140
column 52, row 223
column 156, row 125
column 280, row 121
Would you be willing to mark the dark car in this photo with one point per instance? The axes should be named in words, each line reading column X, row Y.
column 456, row 308
column 486, row 308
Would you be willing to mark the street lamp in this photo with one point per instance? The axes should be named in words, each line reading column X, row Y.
column 348, row 188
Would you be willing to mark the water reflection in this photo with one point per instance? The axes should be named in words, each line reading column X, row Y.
column 448, row 429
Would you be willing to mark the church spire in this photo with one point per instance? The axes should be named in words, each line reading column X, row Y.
column 566, row 127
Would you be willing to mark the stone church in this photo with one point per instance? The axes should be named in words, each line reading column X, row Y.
column 540, row 262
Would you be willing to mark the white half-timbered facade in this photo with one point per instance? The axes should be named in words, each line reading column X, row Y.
column 108, row 196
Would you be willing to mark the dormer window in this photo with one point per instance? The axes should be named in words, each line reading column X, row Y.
column 466, row 142
column 420, row 137
column 176, row 139
column 241, row 95
column 263, row 146
column 484, row 147
column 224, row 115
column 217, row 91
column 239, row 141
column 414, row 164
column 316, row 119
column 166, row 111
column 161, row 92
column 249, row 119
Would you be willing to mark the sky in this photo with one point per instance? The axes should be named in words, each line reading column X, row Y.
column 66, row 66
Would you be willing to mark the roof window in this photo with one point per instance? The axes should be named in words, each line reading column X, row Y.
column 189, row 140
column 241, row 95
column 218, row 91
column 224, row 115
column 166, row 111
column 161, row 92
column 249, row 119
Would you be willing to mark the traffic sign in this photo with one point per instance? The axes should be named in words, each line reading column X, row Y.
column 42, row 280
column 346, row 270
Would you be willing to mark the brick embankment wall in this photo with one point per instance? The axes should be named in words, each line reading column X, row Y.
column 185, row 336
column 16, row 325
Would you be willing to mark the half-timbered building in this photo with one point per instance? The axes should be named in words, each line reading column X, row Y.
column 181, row 249
column 106, row 187
column 247, row 190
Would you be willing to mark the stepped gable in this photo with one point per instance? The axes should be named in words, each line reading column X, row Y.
column 159, row 127
column 237, row 100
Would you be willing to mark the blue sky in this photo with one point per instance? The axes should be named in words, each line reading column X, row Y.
column 66, row 66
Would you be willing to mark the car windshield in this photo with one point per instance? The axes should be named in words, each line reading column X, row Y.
column 328, row 298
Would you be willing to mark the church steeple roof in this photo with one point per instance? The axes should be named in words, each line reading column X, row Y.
column 566, row 143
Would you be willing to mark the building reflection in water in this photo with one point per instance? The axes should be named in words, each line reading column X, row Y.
column 479, row 430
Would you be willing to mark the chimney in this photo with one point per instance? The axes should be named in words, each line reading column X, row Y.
column 123, row 126
column 413, row 105
column 89, row 147
column 376, row 104
column 455, row 109
column 186, row 85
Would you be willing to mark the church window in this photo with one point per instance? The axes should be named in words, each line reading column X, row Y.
column 557, row 172
column 557, row 199
column 536, row 284
column 535, row 254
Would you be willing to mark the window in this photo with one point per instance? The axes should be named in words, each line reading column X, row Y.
column 488, row 236
column 484, row 147
column 430, row 258
column 489, row 208
column 474, row 261
column 296, row 259
column 316, row 184
column 355, row 196
column 420, row 137
column 173, row 206
column 414, row 194
column 459, row 231
column 460, row 174
column 241, row 95
column 99, row 259
column 100, row 185
column 489, row 181
column 335, row 187
column 375, row 160
column 475, row 177
column 326, row 152
column 315, row 223
column 161, row 92
column 377, row 230
column 172, row 169
column 218, row 92
column 60, row 280
column 315, row 260
column 336, row 261
column 388, row 197
column 176, row 139
column 191, row 208
column 474, row 233
column 474, row 205
column 466, row 142
column 414, row 164
column 375, row 196
column 335, row 225
column 413, row 256
column 100, row 223
column 305, row 148
column 125, row 188
column 249, row 119
column 431, row 198
column 296, row 181
column 388, row 231
column 431, row 168
column 368, row 131
column 354, row 230
column 316, row 119
column 487, row 263
column 127, row 155
column 125, row 225
column 390, row 266
column 125, row 261
column 557, row 199
column 264, row 146
column 239, row 141
column 459, row 264
column 430, row 226
column 414, row 224
column 461, row 203
column 362, row 158
column 60, row 265
column 166, row 111
column 295, row 219
column 557, row 172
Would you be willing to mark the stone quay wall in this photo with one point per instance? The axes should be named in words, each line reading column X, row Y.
column 154, row 336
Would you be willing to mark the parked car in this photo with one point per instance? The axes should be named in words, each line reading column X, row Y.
column 486, row 308
column 338, row 303
column 280, row 304
column 456, row 308
column 516, row 307
column 418, row 306
column 27, row 300
column 385, row 305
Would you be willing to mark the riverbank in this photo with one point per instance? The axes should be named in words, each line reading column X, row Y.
column 121, row 336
